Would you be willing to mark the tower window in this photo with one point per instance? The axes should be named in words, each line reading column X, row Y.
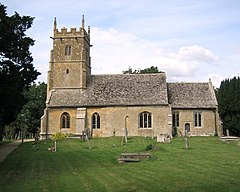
column 67, row 71
column 68, row 50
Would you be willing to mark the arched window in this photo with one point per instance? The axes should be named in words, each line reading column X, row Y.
column 145, row 120
column 65, row 120
column 68, row 50
column 96, row 121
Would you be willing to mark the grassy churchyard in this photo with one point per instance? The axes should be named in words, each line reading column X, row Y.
column 209, row 165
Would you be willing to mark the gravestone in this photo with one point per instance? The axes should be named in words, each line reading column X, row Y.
column 125, row 134
column 161, row 138
column 227, row 131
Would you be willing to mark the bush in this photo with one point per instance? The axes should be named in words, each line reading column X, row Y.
column 59, row 136
column 149, row 147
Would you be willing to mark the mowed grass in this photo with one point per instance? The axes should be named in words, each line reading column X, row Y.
column 210, row 165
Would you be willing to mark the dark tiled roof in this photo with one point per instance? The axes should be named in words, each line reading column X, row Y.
column 191, row 95
column 115, row 90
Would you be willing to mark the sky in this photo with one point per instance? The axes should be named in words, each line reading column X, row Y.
column 190, row 40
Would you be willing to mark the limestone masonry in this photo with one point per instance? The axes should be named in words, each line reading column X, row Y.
column 142, row 104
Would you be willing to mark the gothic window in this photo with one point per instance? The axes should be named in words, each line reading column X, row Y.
column 145, row 120
column 197, row 119
column 96, row 121
column 65, row 120
column 68, row 50
column 175, row 119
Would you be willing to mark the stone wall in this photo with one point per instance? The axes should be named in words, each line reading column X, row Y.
column 113, row 120
column 209, row 122
column 54, row 120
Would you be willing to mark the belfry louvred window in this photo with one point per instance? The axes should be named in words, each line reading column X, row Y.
column 68, row 50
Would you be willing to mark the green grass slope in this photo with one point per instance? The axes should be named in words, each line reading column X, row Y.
column 209, row 165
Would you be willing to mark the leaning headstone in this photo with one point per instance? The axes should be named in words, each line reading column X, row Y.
column 186, row 143
column 89, row 146
column 227, row 131
column 125, row 134
column 87, row 132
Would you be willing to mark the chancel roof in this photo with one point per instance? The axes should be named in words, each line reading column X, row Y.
column 114, row 90
column 191, row 95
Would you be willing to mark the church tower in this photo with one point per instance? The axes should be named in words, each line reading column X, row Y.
column 70, row 61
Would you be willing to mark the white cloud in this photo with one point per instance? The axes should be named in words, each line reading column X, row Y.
column 114, row 51
column 197, row 53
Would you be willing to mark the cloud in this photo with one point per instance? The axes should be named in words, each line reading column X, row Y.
column 196, row 53
column 114, row 51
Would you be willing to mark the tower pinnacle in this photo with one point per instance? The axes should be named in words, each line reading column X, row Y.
column 83, row 21
column 55, row 24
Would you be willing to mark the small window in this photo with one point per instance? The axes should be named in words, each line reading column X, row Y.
column 96, row 121
column 145, row 120
column 65, row 120
column 197, row 119
column 67, row 71
column 68, row 50
column 175, row 119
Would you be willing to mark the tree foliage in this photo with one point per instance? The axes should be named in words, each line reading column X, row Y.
column 16, row 69
column 151, row 69
column 28, row 120
column 228, row 96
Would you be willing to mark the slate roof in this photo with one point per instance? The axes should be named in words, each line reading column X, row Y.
column 114, row 90
column 191, row 95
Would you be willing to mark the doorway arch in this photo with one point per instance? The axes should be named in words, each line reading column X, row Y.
column 187, row 128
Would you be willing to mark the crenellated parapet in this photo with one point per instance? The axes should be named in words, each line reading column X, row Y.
column 72, row 32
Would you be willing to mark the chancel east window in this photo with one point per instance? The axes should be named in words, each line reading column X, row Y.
column 175, row 119
column 65, row 120
column 68, row 50
column 197, row 119
column 145, row 120
column 96, row 121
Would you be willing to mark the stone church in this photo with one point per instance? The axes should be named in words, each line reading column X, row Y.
column 145, row 104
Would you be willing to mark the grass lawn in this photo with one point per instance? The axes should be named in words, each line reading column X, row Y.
column 210, row 165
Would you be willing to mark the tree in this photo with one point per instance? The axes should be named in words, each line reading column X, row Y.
column 28, row 120
column 36, row 97
column 228, row 96
column 16, row 69
column 151, row 69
